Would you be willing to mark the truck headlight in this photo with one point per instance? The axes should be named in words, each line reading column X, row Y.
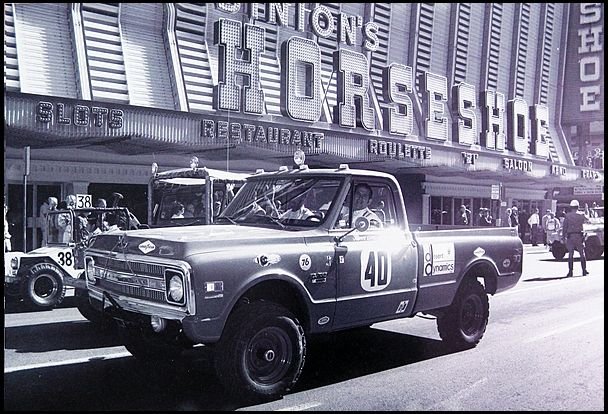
column 175, row 287
column 15, row 263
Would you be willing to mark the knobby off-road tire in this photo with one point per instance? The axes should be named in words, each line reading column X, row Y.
column 261, row 353
column 43, row 286
column 464, row 322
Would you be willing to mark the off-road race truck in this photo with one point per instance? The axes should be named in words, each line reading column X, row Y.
column 594, row 238
column 42, row 276
column 256, row 284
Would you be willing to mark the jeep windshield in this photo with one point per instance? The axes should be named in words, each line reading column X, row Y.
column 283, row 201
column 182, row 201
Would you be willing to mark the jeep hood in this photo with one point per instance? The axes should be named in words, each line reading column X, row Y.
column 39, row 252
column 180, row 242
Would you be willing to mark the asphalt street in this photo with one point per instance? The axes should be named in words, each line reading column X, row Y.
column 543, row 350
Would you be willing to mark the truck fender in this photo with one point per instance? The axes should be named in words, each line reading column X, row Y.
column 481, row 267
column 283, row 286
column 28, row 261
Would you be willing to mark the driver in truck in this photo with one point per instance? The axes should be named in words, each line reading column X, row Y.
column 362, row 198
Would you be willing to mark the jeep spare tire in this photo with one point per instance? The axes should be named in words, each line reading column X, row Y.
column 43, row 287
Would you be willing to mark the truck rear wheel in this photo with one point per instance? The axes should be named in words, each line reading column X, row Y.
column 464, row 322
column 261, row 353
column 43, row 286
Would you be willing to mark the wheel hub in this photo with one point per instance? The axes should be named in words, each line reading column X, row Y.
column 44, row 287
column 269, row 355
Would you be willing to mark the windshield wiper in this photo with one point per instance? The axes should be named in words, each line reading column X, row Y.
column 230, row 219
column 274, row 220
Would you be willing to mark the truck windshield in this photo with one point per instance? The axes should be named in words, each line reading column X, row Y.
column 284, row 201
column 182, row 200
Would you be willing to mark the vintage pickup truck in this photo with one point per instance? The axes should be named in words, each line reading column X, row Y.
column 286, row 260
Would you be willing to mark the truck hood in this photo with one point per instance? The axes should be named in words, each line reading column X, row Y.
column 180, row 242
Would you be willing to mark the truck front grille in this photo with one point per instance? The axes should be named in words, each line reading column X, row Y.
column 133, row 278
column 132, row 291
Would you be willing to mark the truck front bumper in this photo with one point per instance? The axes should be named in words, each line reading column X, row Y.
column 127, row 310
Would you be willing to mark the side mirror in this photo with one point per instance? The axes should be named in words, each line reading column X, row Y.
column 361, row 224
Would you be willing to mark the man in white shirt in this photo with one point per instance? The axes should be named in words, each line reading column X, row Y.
column 362, row 198
column 534, row 222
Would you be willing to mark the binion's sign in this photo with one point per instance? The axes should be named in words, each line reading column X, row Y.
column 504, row 125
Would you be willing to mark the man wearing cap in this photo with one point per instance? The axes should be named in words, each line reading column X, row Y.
column 572, row 236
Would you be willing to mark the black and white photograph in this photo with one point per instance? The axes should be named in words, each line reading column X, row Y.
column 303, row 207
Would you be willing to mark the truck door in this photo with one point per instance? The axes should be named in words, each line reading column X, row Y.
column 376, row 268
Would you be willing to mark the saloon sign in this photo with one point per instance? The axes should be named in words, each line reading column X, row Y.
column 301, row 64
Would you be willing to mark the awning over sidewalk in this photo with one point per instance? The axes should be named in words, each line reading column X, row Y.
column 51, row 122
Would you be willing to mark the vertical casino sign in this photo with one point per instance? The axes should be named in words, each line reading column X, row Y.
column 584, row 80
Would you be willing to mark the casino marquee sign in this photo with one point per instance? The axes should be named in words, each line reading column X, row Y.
column 301, row 64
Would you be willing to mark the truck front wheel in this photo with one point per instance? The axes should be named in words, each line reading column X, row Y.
column 463, row 323
column 261, row 353
column 43, row 286
column 88, row 311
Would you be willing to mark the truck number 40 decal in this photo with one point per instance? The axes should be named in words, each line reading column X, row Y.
column 375, row 270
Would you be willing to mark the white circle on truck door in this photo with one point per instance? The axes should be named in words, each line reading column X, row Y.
column 305, row 262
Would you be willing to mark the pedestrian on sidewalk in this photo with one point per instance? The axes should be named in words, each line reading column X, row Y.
column 551, row 225
column 49, row 204
column 573, row 237
column 7, row 234
column 543, row 225
column 534, row 221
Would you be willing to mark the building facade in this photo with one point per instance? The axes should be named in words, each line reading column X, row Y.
column 463, row 103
